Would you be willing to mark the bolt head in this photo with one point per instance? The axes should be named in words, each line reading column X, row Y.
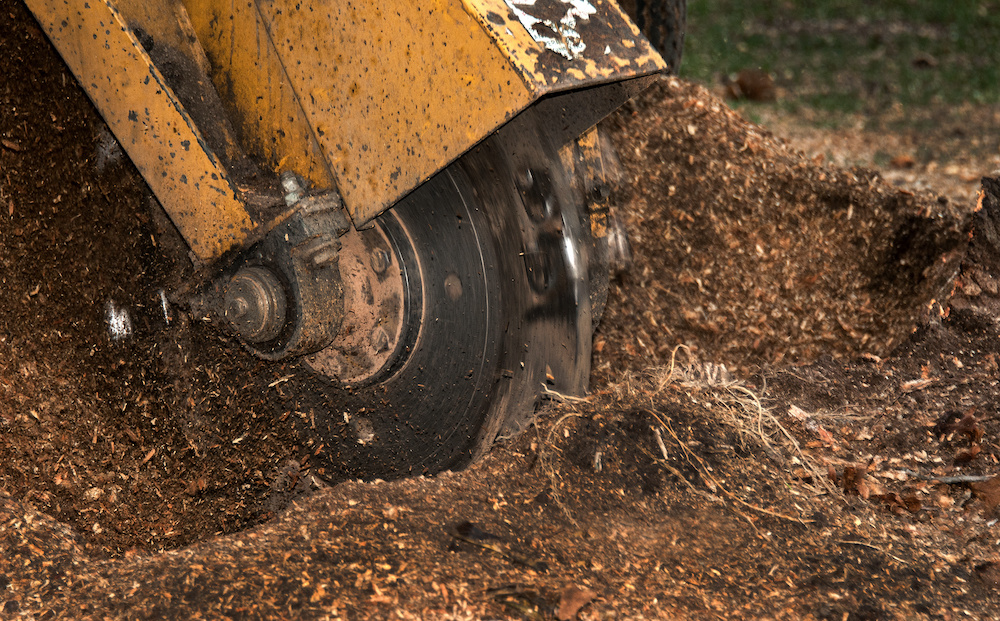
column 292, row 185
column 237, row 308
column 380, row 261
column 379, row 340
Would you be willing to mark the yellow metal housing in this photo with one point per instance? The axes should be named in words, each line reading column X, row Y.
column 250, row 77
column 370, row 99
column 394, row 92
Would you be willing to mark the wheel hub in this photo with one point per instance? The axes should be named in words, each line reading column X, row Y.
column 379, row 292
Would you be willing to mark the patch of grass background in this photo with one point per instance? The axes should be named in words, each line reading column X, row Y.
column 852, row 56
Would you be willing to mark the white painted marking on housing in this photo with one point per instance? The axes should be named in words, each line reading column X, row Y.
column 567, row 41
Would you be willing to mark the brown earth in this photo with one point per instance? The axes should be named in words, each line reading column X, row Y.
column 781, row 390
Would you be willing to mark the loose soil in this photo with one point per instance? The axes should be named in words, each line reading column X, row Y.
column 792, row 411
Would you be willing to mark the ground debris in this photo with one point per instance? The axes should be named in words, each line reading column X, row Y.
column 167, row 470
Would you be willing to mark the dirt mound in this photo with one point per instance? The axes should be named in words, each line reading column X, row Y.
column 644, row 502
column 753, row 255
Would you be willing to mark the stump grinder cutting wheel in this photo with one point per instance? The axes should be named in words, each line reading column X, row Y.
column 411, row 198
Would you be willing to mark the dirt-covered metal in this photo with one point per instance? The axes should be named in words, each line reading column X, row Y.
column 254, row 304
column 149, row 121
column 369, row 100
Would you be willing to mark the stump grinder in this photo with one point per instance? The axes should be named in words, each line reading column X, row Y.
column 409, row 197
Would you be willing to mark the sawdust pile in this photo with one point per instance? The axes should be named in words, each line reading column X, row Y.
column 753, row 255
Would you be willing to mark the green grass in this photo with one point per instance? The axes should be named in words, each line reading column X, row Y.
column 852, row 56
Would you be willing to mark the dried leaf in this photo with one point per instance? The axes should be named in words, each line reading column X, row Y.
column 969, row 425
column 197, row 485
column 988, row 492
column 854, row 481
column 892, row 499
column 824, row 435
column 752, row 84
column 967, row 455
column 903, row 161
column 831, row 473
column 912, row 503
column 989, row 573
column 573, row 598
column 898, row 503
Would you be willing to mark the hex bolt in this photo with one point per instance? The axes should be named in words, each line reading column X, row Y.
column 600, row 192
column 380, row 340
column 380, row 261
column 453, row 286
column 292, row 185
column 525, row 180
column 324, row 252
column 536, row 194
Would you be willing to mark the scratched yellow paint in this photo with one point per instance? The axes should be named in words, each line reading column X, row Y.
column 592, row 164
column 250, row 77
column 394, row 91
column 615, row 49
column 147, row 120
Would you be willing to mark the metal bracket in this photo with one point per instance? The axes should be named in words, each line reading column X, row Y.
column 285, row 296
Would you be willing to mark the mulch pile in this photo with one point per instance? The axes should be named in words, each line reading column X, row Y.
column 754, row 255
